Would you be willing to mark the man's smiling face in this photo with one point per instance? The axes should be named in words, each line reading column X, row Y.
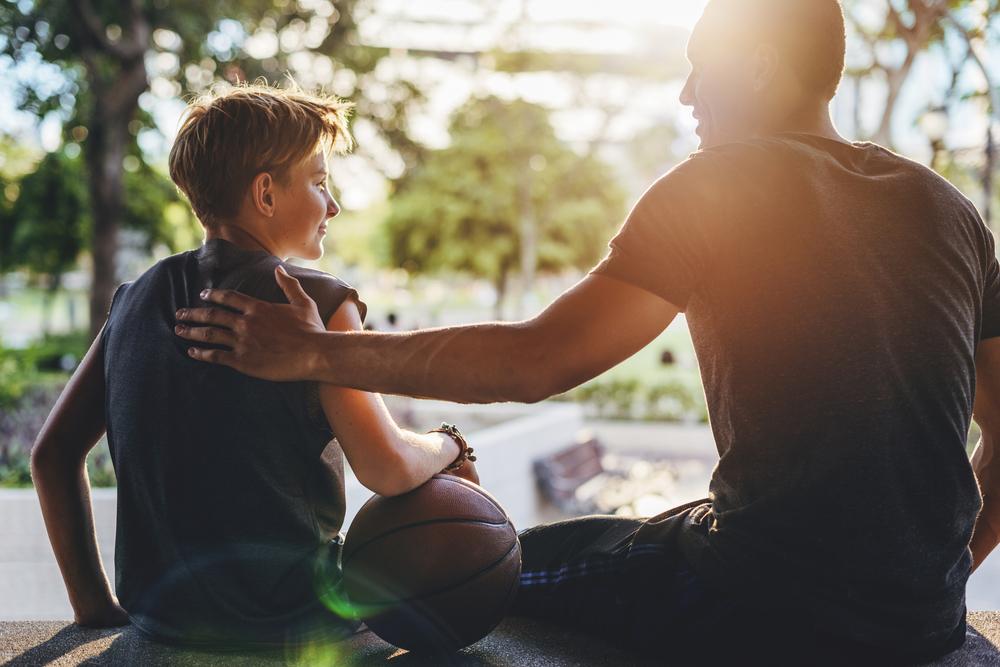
column 720, row 88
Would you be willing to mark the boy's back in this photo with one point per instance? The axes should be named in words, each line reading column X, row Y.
column 224, row 500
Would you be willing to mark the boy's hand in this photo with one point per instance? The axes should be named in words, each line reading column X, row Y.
column 110, row 615
column 467, row 472
column 266, row 340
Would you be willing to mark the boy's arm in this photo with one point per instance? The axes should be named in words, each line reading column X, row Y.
column 387, row 459
column 986, row 457
column 58, row 469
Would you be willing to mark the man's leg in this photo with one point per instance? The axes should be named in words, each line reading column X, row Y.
column 588, row 574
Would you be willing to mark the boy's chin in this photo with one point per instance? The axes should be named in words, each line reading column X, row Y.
column 314, row 254
column 309, row 254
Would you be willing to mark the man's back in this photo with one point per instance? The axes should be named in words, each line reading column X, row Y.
column 224, row 500
column 833, row 293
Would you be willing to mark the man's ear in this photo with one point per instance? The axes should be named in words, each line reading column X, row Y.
column 766, row 60
column 262, row 193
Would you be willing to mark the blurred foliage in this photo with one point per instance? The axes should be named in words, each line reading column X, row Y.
column 464, row 207
column 671, row 400
column 47, row 224
column 31, row 380
column 43, row 363
column 46, row 227
column 892, row 34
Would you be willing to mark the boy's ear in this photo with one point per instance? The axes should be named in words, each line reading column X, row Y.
column 262, row 193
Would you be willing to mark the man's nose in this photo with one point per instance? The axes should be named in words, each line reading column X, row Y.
column 687, row 93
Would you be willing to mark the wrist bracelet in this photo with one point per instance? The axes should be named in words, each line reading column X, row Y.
column 464, row 453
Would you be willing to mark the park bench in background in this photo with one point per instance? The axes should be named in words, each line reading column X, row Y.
column 585, row 478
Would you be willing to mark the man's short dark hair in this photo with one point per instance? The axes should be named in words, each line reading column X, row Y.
column 810, row 33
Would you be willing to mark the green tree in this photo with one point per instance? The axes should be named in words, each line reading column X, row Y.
column 893, row 33
column 48, row 222
column 99, row 54
column 47, row 226
column 507, row 195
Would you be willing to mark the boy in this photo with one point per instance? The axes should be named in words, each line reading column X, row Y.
column 230, row 491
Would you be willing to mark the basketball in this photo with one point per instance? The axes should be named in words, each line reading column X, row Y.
column 434, row 569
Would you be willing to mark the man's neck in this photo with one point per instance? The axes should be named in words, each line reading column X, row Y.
column 813, row 120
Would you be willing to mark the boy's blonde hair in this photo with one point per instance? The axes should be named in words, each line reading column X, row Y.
column 231, row 134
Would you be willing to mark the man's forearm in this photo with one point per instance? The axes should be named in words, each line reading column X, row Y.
column 480, row 363
column 986, row 534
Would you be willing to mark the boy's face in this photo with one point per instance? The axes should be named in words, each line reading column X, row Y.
column 302, row 206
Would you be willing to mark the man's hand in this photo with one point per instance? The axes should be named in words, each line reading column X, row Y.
column 266, row 340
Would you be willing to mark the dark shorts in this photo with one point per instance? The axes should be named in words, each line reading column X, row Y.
column 588, row 573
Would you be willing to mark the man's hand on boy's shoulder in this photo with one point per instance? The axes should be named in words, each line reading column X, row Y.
column 266, row 340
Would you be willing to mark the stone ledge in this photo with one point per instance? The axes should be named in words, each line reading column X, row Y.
column 516, row 642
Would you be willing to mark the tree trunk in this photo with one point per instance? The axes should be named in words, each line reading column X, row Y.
column 106, row 146
column 988, row 167
column 529, row 240
column 501, row 288
column 116, row 76
column 894, row 80
column 104, row 161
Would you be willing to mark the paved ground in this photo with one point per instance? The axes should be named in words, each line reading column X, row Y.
column 516, row 643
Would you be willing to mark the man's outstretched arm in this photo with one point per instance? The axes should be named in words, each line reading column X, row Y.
column 986, row 456
column 593, row 326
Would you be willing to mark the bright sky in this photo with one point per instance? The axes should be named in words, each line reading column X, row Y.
column 683, row 13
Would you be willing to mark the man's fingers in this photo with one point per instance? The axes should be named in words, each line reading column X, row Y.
column 222, row 357
column 206, row 334
column 291, row 287
column 214, row 316
column 229, row 298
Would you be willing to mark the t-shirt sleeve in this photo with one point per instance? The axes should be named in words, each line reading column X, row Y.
column 663, row 245
column 991, row 290
column 119, row 291
column 329, row 293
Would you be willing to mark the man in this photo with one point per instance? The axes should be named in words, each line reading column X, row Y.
column 836, row 294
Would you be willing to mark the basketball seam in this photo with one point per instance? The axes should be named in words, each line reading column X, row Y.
column 349, row 556
column 478, row 489
column 516, row 545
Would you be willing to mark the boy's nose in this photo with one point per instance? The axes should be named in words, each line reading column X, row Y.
column 332, row 208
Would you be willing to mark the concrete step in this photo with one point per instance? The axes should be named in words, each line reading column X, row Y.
column 517, row 642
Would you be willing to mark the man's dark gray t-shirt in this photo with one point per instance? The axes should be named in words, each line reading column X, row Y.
column 835, row 294
column 230, row 492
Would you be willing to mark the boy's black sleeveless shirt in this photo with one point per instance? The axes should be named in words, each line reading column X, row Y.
column 229, row 497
